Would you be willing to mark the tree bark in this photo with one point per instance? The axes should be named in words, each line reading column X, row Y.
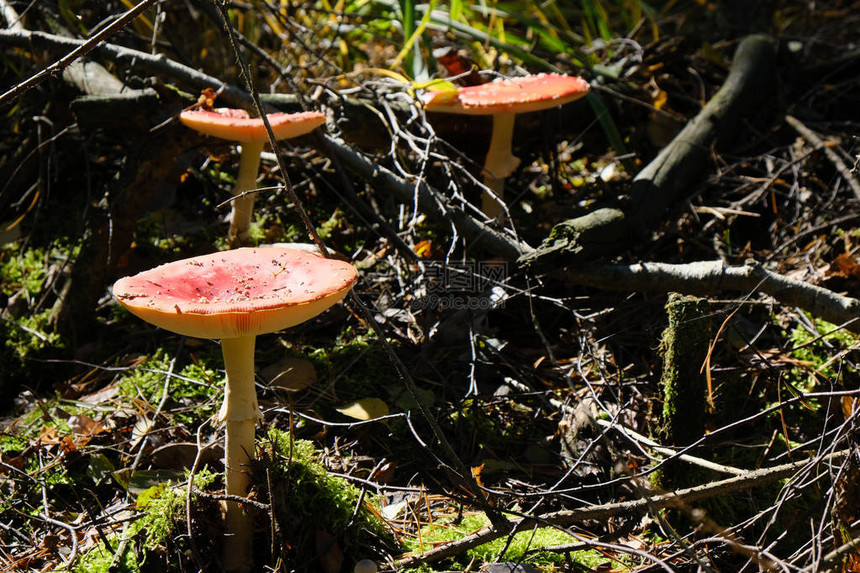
column 135, row 60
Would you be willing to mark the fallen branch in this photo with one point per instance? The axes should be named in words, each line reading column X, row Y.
column 711, row 277
column 156, row 64
column 430, row 202
column 566, row 518
column 13, row 20
column 665, row 181
column 636, row 437
column 83, row 48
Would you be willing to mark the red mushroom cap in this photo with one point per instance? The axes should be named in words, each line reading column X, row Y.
column 242, row 292
column 237, row 125
column 516, row 95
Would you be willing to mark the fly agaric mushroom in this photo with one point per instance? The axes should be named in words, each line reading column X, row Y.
column 503, row 100
column 236, row 125
column 234, row 296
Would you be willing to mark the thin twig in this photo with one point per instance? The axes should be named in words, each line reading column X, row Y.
column 666, row 451
column 86, row 47
column 605, row 511
column 136, row 59
column 430, row 201
column 191, row 473
column 13, row 19
column 72, row 534
column 636, row 437
column 124, row 538
column 837, row 555
column 816, row 142
column 255, row 96
column 231, row 497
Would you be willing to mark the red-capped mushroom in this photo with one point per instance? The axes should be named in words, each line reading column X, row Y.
column 234, row 296
column 504, row 99
column 237, row 125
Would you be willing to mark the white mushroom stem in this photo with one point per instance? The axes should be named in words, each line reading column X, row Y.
column 500, row 163
column 243, row 205
column 235, row 295
column 241, row 412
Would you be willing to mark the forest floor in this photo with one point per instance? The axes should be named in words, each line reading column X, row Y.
column 649, row 364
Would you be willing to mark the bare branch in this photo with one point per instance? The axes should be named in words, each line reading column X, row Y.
column 430, row 201
column 711, row 277
column 816, row 142
column 81, row 50
column 135, row 59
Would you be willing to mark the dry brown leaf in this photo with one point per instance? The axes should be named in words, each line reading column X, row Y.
column 290, row 374
column 365, row 409
column 849, row 404
column 846, row 266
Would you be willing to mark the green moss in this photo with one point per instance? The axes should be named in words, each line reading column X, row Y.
column 22, row 273
column 163, row 507
column 684, row 346
column 499, row 426
column 219, row 176
column 308, row 500
column 142, row 380
column 26, row 331
column 357, row 363
column 12, row 444
column 525, row 546
column 325, row 500
column 22, row 270
column 30, row 334
column 99, row 559
column 26, row 269
column 330, row 226
column 817, row 350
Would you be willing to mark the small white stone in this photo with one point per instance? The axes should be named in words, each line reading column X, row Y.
column 365, row 566
column 795, row 46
